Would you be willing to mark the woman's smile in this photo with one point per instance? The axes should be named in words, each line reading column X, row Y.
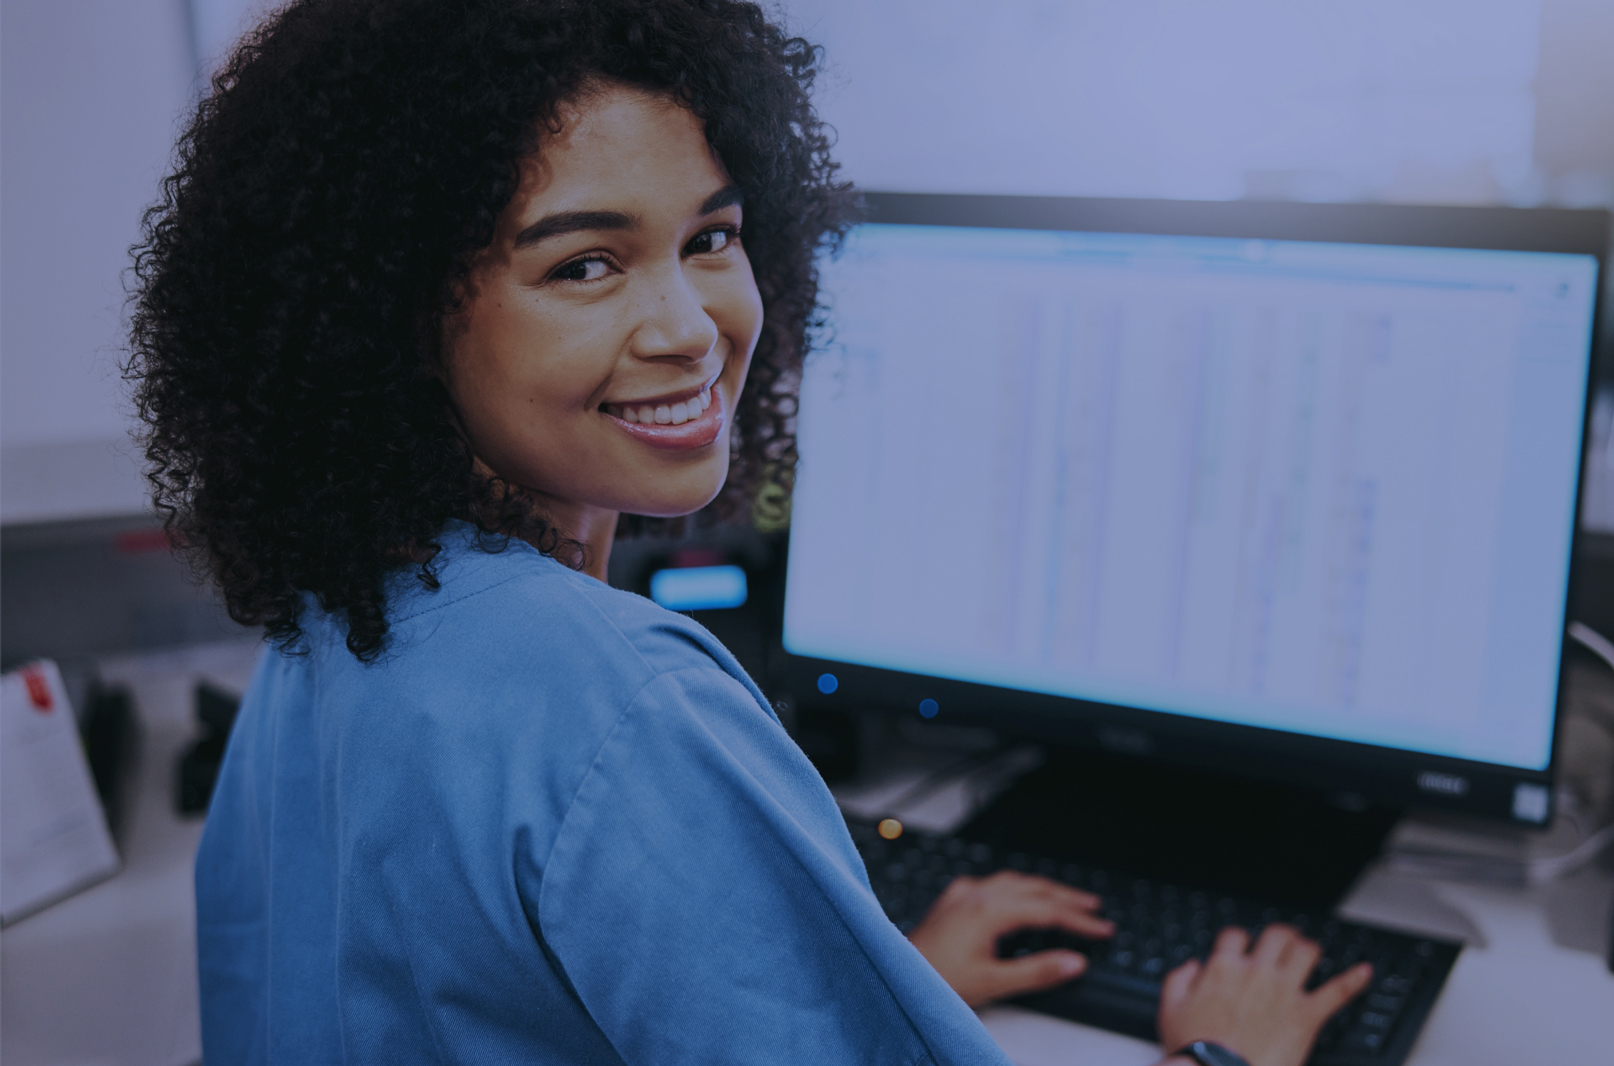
column 692, row 418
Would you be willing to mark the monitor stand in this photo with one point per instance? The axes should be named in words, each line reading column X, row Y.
column 1187, row 826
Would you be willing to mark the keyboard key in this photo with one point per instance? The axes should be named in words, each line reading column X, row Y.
column 1394, row 985
column 1364, row 1040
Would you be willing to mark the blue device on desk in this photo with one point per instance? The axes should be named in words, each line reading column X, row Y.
column 1267, row 512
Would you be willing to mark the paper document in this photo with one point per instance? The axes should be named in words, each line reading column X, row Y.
column 53, row 832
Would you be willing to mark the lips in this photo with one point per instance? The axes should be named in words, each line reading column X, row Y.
column 692, row 422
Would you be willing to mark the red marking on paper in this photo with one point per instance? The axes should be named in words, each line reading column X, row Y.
column 38, row 689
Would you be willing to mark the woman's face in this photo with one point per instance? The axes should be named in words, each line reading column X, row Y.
column 606, row 331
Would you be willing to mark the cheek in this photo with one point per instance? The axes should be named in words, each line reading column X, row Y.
column 739, row 315
column 521, row 358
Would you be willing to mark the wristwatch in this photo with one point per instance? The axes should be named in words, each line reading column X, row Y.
column 1208, row 1054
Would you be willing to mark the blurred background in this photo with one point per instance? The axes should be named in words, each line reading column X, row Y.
column 1476, row 102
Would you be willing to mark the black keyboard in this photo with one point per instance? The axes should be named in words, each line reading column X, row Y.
column 1158, row 927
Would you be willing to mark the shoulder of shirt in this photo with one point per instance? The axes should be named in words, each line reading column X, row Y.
column 529, row 598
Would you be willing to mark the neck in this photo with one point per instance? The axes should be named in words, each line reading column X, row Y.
column 592, row 527
column 595, row 530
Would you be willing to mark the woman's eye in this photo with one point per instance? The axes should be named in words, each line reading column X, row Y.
column 582, row 270
column 713, row 240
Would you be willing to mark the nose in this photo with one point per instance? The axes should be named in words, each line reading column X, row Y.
column 673, row 320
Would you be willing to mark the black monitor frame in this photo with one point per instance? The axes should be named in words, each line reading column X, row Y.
column 1355, row 773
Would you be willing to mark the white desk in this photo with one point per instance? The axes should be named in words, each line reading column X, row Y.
column 109, row 977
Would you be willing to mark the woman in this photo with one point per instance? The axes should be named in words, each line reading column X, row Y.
column 441, row 296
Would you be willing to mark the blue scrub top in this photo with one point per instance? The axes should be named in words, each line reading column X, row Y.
column 554, row 824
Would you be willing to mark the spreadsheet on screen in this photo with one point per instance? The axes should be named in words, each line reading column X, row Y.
column 1318, row 487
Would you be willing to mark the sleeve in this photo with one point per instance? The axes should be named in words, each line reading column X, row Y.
column 706, row 903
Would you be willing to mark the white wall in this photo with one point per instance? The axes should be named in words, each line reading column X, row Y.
column 89, row 95
column 1400, row 100
column 1574, row 145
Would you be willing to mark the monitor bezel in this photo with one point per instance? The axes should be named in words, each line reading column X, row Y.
column 1352, row 771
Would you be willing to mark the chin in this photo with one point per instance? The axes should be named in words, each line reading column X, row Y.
column 677, row 504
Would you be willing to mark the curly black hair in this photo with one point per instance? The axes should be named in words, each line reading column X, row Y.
column 329, row 195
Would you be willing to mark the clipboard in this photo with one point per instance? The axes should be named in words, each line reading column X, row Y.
column 54, row 839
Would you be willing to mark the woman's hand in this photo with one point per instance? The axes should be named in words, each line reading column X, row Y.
column 1253, row 1001
column 959, row 935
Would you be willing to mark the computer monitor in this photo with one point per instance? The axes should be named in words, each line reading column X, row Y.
column 1288, row 490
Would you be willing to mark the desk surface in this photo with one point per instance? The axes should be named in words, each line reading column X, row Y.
column 109, row 975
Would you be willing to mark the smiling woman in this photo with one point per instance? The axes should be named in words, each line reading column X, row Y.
column 604, row 338
column 372, row 186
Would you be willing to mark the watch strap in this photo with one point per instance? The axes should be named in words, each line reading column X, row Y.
column 1208, row 1054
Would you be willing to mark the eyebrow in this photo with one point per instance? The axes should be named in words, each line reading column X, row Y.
column 573, row 221
column 727, row 196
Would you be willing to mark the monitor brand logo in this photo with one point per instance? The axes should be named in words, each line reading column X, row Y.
column 1443, row 784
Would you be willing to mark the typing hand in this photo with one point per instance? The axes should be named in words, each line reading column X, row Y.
column 1252, row 1000
column 960, row 934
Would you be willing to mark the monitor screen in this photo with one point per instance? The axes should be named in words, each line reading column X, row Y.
column 1322, row 488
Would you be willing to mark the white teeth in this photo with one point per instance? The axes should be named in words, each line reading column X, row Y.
column 664, row 414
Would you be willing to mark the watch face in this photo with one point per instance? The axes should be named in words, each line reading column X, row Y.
column 1215, row 1054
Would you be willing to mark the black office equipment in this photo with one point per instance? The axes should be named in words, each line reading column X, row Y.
column 1160, row 925
column 198, row 768
column 111, row 735
column 1262, row 516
